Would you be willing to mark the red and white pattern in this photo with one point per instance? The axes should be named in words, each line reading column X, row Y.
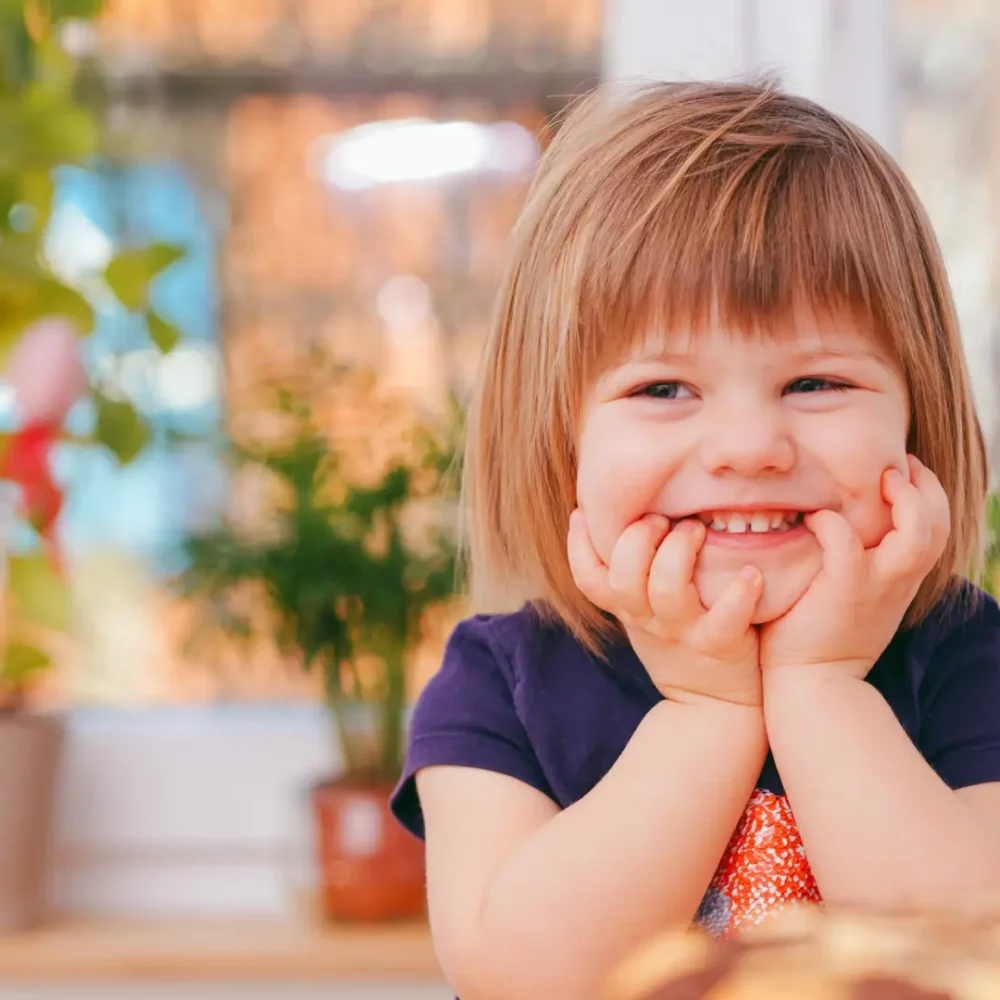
column 763, row 869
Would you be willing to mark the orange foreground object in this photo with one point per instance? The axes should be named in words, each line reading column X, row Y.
column 803, row 953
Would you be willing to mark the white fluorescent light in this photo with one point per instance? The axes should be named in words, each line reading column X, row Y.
column 414, row 150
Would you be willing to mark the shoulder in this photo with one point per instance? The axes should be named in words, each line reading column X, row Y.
column 481, row 667
column 470, row 713
column 503, row 635
column 954, row 656
column 963, row 629
column 514, row 643
column 518, row 694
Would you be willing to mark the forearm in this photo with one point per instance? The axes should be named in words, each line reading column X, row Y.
column 880, row 828
column 635, row 854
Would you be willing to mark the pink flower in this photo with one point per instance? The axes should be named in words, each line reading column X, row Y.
column 46, row 371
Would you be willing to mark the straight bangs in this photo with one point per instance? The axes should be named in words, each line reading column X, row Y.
column 750, row 236
column 766, row 252
column 683, row 207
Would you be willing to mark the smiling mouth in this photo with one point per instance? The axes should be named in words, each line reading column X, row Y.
column 756, row 522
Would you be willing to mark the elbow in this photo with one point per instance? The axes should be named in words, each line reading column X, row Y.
column 489, row 967
column 486, row 981
column 473, row 969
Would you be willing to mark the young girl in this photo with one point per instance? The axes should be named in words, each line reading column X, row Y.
column 724, row 461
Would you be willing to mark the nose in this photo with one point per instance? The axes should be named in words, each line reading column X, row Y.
column 752, row 439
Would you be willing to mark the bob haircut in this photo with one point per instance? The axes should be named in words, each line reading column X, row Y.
column 680, row 204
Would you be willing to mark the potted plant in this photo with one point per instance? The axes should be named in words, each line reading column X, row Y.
column 349, row 566
column 42, row 321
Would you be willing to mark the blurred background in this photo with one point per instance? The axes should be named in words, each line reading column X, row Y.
column 274, row 228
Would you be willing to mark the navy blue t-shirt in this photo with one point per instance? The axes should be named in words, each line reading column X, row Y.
column 524, row 698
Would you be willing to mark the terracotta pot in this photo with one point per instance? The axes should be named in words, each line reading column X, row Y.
column 370, row 868
column 30, row 752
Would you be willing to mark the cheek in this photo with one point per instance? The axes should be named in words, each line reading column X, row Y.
column 858, row 473
column 619, row 479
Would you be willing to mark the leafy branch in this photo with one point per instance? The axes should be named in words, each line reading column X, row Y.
column 345, row 574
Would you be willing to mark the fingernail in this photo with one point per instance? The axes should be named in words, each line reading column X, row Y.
column 751, row 574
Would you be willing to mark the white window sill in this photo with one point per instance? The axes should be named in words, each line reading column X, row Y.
column 184, row 812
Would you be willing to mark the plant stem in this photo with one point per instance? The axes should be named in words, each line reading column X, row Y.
column 392, row 709
column 335, row 703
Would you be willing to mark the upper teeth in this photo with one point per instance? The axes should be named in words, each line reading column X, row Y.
column 757, row 521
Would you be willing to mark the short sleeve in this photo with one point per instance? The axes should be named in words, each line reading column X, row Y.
column 960, row 701
column 466, row 716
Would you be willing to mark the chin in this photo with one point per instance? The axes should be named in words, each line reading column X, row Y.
column 783, row 586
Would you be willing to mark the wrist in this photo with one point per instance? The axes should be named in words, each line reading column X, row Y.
column 698, row 680
column 815, row 673
column 804, row 687
column 741, row 728
column 751, row 698
column 734, row 734
column 716, row 712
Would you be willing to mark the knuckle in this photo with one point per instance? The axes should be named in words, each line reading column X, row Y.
column 663, row 591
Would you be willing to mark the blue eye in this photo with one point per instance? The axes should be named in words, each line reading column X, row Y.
column 666, row 390
column 809, row 385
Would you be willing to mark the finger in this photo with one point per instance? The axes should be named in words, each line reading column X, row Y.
column 588, row 570
column 672, row 595
column 732, row 614
column 930, row 488
column 906, row 548
column 843, row 553
column 631, row 559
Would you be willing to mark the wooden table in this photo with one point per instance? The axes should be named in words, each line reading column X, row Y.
column 162, row 959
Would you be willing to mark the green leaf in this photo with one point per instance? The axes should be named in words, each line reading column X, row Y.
column 130, row 273
column 37, row 189
column 19, row 261
column 55, row 68
column 59, row 299
column 21, row 661
column 120, row 428
column 162, row 332
column 9, row 190
column 40, row 130
column 15, row 47
column 41, row 593
column 86, row 10
column 23, row 302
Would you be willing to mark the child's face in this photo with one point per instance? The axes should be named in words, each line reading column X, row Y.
column 747, row 434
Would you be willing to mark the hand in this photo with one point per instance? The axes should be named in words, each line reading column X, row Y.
column 690, row 652
column 851, row 611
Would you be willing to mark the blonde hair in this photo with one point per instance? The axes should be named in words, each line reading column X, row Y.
column 681, row 203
